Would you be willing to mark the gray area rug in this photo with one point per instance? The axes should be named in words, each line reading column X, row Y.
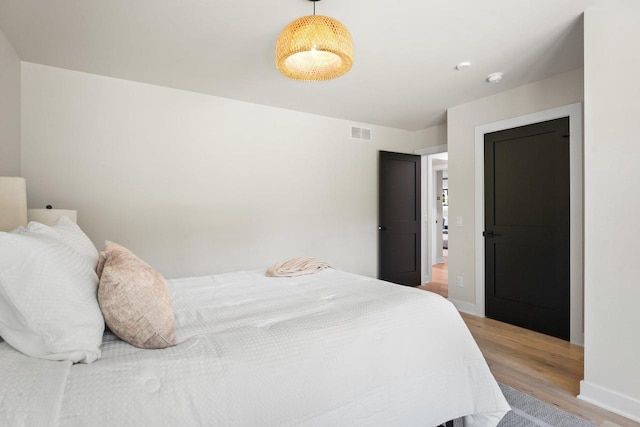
column 527, row 411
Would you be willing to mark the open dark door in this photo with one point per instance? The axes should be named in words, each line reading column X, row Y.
column 399, row 218
column 527, row 227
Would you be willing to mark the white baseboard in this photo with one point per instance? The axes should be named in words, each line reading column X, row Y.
column 610, row 400
column 465, row 307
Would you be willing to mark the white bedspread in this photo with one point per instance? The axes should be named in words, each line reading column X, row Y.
column 330, row 349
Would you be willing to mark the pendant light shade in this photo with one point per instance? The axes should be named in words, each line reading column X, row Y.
column 314, row 48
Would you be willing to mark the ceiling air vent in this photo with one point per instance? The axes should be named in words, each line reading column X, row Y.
column 363, row 134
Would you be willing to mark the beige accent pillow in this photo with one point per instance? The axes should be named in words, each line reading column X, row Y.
column 135, row 299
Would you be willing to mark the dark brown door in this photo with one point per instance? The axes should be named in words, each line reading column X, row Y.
column 399, row 218
column 527, row 226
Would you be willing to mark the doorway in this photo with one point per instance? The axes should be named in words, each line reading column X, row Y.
column 574, row 112
column 526, row 232
column 435, row 219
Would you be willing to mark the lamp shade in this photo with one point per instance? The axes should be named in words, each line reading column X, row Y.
column 314, row 48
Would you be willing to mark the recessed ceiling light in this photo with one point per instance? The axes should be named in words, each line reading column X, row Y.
column 463, row 65
column 495, row 77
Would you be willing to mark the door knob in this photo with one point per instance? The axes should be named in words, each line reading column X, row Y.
column 382, row 228
column 490, row 234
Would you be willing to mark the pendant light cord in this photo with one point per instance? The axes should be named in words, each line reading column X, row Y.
column 314, row 8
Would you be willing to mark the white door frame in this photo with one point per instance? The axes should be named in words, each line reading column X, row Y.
column 426, row 203
column 435, row 227
column 574, row 112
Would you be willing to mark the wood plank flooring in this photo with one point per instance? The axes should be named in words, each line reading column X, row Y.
column 548, row 368
column 440, row 280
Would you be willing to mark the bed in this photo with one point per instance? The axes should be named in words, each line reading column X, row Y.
column 326, row 349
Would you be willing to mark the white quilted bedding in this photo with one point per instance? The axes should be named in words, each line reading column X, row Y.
column 331, row 349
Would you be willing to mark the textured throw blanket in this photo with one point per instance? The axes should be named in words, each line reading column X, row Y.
column 297, row 267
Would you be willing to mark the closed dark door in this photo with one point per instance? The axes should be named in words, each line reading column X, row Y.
column 399, row 218
column 527, row 226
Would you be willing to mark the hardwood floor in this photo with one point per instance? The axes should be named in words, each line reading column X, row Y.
column 545, row 367
column 440, row 276
column 548, row 368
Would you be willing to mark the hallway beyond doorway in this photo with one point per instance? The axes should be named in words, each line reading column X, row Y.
column 440, row 278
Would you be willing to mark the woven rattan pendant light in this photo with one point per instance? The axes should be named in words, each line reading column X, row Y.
column 314, row 48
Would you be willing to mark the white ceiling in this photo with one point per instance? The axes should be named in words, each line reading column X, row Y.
column 405, row 51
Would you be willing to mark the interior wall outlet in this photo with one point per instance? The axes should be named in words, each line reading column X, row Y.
column 460, row 281
column 459, row 221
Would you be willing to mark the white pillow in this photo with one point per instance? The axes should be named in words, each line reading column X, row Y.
column 69, row 232
column 48, row 303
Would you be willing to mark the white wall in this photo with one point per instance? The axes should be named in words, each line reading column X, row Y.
column 9, row 109
column 612, row 207
column 430, row 137
column 563, row 89
column 197, row 184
